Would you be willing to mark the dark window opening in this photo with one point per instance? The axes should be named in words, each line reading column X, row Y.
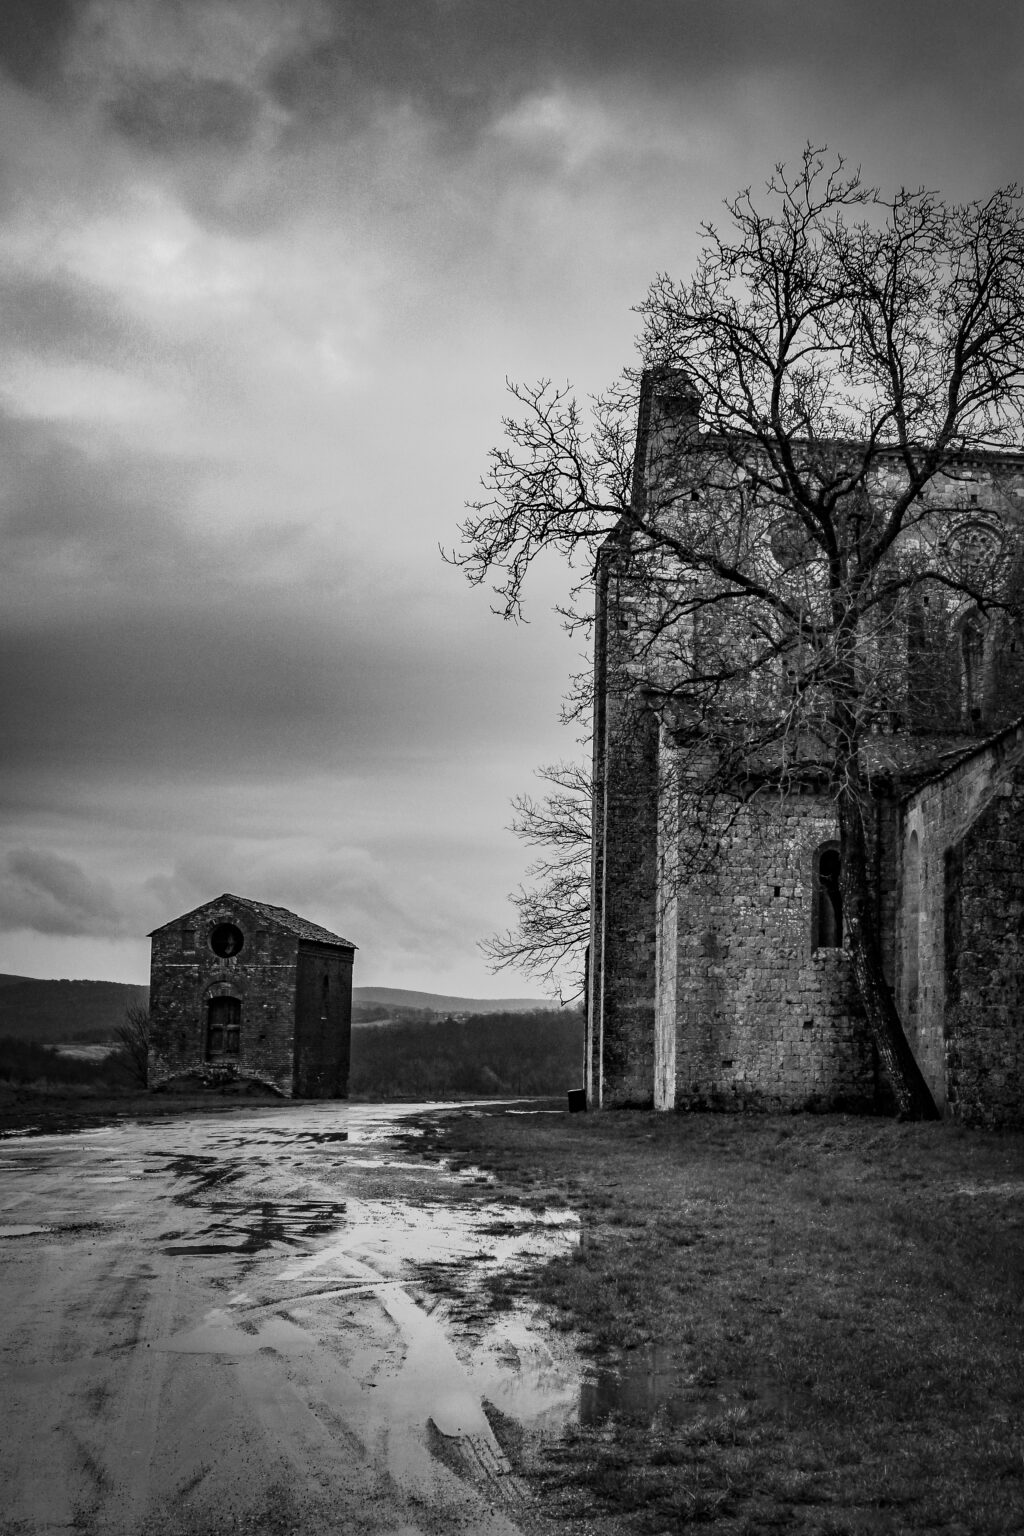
column 912, row 919
column 953, row 873
column 223, row 1028
column 828, row 900
column 325, row 997
column 972, row 648
column 226, row 940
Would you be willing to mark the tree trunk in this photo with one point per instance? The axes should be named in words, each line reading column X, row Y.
column 913, row 1096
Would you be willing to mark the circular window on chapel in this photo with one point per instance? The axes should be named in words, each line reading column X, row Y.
column 226, row 939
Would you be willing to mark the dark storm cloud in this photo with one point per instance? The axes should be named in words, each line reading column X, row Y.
column 397, row 51
column 239, row 684
column 181, row 112
column 54, row 315
column 51, row 894
column 116, row 506
column 459, row 63
column 267, row 256
column 33, row 37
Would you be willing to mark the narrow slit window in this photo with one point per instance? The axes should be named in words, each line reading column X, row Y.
column 912, row 920
column 972, row 649
column 828, row 899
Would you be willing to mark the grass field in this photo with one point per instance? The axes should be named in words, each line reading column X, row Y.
column 828, row 1311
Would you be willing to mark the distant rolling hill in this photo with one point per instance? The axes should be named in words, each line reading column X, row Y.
column 41, row 1010
column 36, row 1009
column 399, row 997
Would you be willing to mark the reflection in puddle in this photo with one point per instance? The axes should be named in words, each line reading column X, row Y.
column 536, row 1380
column 639, row 1390
column 220, row 1334
column 360, row 1245
column 436, row 1241
column 650, row 1385
column 515, row 1368
column 250, row 1227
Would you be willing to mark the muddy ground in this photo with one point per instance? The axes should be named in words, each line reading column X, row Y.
column 353, row 1318
column 240, row 1322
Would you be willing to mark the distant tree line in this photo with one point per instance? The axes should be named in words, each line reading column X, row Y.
column 485, row 1053
column 529, row 1054
column 88, row 1011
column 368, row 1013
column 24, row 1062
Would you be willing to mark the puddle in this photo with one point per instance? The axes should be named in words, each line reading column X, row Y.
column 527, row 1374
column 433, row 1240
column 219, row 1334
column 411, row 1247
column 1004, row 1191
column 641, row 1389
column 54, row 1128
column 651, row 1385
column 425, row 1171
column 538, row 1380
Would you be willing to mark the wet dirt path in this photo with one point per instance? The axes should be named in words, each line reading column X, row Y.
column 220, row 1324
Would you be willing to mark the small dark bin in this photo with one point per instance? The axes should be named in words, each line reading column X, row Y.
column 577, row 1100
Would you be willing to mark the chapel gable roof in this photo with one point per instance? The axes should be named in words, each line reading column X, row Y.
column 301, row 927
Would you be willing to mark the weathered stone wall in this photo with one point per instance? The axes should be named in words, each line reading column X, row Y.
column 960, row 961
column 621, row 981
column 707, row 989
column 185, row 974
column 985, row 965
column 323, row 1022
column 764, row 1019
column 625, row 1010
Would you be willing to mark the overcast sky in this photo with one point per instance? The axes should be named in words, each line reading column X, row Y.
column 264, row 267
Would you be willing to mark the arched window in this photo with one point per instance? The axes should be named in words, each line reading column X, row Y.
column 912, row 919
column 972, row 651
column 827, row 919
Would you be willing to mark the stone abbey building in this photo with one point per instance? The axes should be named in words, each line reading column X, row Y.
column 725, row 982
column 241, row 991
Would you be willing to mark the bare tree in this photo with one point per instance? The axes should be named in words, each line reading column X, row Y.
column 845, row 352
column 132, row 1035
column 552, row 928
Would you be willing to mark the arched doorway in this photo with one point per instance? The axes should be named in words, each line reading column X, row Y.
column 223, row 1028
